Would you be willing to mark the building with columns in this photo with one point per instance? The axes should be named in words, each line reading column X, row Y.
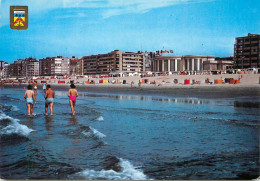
column 187, row 63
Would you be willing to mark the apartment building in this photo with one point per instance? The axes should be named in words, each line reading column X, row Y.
column 15, row 69
column 247, row 52
column 45, row 66
column 76, row 66
column 6, row 73
column 30, row 67
column 191, row 63
column 115, row 61
column 60, row 66
column 2, row 69
column 51, row 66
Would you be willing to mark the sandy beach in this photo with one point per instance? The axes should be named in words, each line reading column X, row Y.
column 248, row 86
column 167, row 81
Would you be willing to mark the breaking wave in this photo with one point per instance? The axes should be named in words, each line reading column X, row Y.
column 6, row 108
column 100, row 118
column 127, row 172
column 93, row 133
column 10, row 126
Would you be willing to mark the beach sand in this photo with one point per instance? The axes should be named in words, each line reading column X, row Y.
column 248, row 86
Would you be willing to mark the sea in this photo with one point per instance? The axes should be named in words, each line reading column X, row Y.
column 123, row 136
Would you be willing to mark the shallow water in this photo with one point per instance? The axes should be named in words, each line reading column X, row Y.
column 120, row 136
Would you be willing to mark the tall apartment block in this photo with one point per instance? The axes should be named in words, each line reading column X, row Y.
column 6, row 73
column 45, row 66
column 76, row 66
column 30, row 67
column 15, row 69
column 115, row 61
column 2, row 69
column 52, row 66
column 247, row 52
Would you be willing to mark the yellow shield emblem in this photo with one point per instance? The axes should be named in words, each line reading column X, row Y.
column 19, row 17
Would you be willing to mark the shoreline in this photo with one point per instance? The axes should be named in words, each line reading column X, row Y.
column 199, row 91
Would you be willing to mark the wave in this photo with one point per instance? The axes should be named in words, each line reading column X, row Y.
column 128, row 172
column 10, row 126
column 100, row 118
column 93, row 133
column 8, row 108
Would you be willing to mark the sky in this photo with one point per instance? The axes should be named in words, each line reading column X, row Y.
column 87, row 27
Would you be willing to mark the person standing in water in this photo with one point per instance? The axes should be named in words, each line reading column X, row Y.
column 43, row 87
column 49, row 97
column 29, row 96
column 35, row 87
column 72, row 94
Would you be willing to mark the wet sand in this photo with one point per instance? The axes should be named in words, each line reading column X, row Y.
column 199, row 91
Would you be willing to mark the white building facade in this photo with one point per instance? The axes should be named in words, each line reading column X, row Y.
column 187, row 63
column 60, row 66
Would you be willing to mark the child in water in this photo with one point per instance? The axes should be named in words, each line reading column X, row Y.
column 72, row 94
column 29, row 96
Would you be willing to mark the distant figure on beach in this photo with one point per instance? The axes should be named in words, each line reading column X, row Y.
column 44, row 87
column 29, row 96
column 132, row 83
column 72, row 94
column 139, row 83
column 49, row 97
column 35, row 87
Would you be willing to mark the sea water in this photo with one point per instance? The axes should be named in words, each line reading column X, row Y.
column 129, row 137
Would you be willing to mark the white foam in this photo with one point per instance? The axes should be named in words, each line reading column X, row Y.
column 14, row 127
column 100, row 118
column 257, row 179
column 94, row 132
column 14, row 108
column 4, row 116
column 129, row 172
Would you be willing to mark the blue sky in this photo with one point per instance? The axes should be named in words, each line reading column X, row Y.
column 85, row 27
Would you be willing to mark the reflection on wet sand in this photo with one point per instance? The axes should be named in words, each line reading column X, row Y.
column 49, row 123
column 144, row 98
column 73, row 120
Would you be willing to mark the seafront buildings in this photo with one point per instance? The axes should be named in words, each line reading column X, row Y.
column 52, row 66
column 30, row 67
column 115, row 61
column 246, row 55
column 247, row 51
column 2, row 69
column 45, row 66
column 76, row 66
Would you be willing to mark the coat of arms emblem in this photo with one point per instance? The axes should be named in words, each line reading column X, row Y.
column 19, row 17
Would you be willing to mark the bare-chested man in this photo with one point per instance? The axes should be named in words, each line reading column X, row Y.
column 72, row 94
column 49, row 97
column 29, row 96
